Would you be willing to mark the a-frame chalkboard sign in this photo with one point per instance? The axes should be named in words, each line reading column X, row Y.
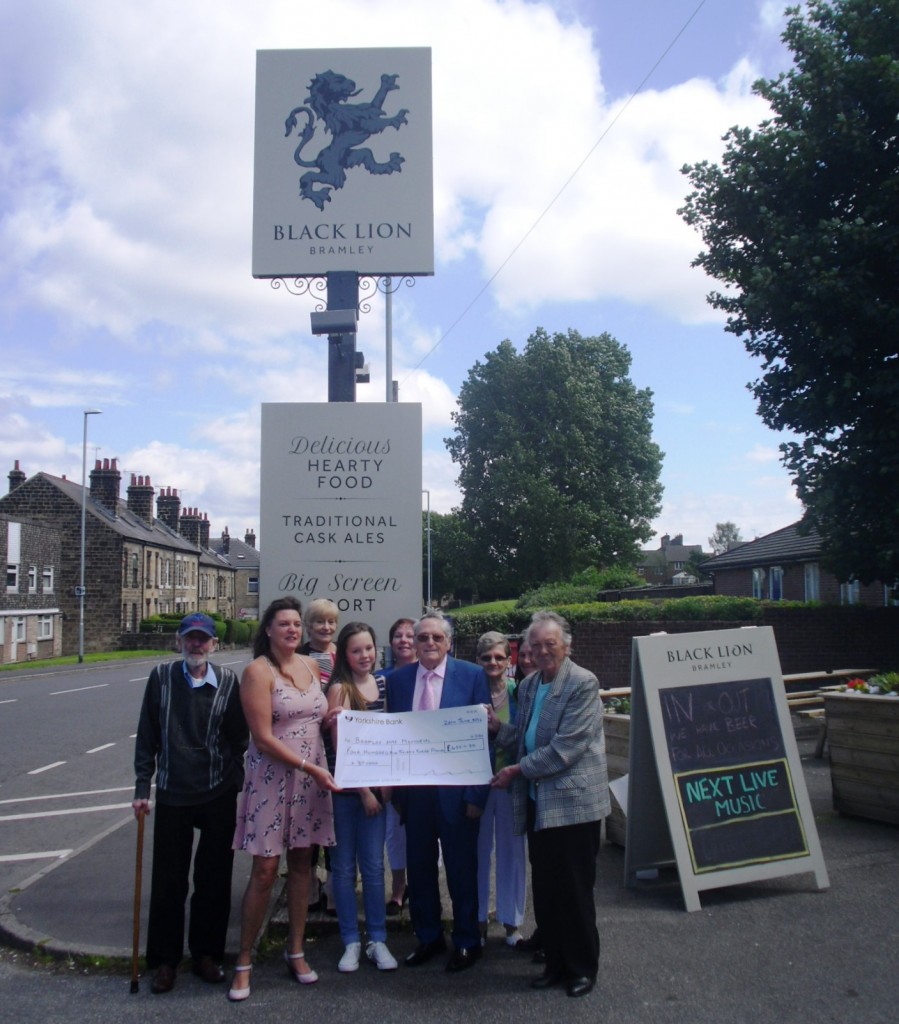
column 713, row 755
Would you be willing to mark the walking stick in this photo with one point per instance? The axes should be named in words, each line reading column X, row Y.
column 135, row 985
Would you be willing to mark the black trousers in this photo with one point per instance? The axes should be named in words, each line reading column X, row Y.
column 210, row 904
column 563, row 874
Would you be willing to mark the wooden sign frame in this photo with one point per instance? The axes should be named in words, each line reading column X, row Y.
column 713, row 754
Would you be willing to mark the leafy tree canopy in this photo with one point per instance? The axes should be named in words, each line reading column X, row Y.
column 725, row 535
column 557, row 464
column 801, row 224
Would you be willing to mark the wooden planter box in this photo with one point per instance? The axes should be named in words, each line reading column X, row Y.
column 617, row 730
column 863, row 737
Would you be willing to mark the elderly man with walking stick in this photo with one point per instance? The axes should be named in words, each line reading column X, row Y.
column 192, row 734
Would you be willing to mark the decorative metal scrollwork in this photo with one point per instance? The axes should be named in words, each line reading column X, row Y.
column 369, row 286
column 315, row 287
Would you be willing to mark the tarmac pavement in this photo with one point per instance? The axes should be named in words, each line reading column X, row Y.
column 775, row 950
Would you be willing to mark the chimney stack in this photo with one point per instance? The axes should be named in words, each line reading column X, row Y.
column 140, row 498
column 16, row 477
column 104, row 487
column 226, row 541
column 168, row 507
column 250, row 539
column 204, row 531
column 190, row 526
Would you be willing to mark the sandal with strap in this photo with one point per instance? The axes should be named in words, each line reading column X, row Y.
column 237, row 995
column 309, row 978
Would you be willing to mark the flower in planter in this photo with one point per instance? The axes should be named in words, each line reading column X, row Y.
column 856, row 686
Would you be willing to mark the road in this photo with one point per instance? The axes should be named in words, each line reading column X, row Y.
column 772, row 950
column 66, row 755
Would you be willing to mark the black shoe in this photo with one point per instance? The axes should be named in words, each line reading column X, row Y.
column 206, row 968
column 395, row 906
column 163, row 980
column 426, row 951
column 462, row 959
column 579, row 986
column 547, row 979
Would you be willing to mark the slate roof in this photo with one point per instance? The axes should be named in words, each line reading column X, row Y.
column 782, row 546
column 124, row 522
column 239, row 554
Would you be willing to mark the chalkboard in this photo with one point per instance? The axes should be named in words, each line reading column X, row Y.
column 732, row 777
column 712, row 745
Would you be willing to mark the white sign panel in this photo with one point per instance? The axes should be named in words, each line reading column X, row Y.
column 414, row 748
column 341, row 508
column 343, row 162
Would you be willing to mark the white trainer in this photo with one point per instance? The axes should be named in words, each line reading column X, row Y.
column 381, row 956
column 350, row 960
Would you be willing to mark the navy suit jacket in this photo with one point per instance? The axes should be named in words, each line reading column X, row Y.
column 464, row 684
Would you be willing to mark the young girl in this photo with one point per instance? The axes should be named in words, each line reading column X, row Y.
column 359, row 820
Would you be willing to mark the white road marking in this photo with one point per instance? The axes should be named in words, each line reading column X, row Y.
column 96, row 750
column 13, row 858
column 46, row 768
column 12, row 700
column 67, row 811
column 65, row 796
column 78, row 689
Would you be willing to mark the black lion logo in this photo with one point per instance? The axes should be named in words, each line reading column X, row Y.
column 349, row 124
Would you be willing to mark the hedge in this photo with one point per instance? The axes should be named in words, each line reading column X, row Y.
column 676, row 609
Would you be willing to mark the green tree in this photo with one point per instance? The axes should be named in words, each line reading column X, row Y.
column 725, row 535
column 450, row 557
column 558, row 468
column 801, row 224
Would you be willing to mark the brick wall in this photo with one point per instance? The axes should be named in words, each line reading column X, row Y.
column 808, row 640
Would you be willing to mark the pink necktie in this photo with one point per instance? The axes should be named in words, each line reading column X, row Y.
column 427, row 693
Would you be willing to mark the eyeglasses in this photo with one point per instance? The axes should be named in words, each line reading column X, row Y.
column 494, row 657
column 436, row 638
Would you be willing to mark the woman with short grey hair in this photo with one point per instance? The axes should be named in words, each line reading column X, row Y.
column 560, row 793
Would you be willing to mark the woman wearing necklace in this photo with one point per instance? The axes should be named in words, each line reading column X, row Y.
column 493, row 654
column 359, row 814
column 286, row 799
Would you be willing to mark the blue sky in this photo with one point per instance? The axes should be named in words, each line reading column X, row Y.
column 126, row 147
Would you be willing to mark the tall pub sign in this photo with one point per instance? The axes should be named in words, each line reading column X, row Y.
column 343, row 190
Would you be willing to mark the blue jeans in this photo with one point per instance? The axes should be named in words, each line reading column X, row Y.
column 360, row 838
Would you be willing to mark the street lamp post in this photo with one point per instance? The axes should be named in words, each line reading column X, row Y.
column 87, row 412
column 428, row 493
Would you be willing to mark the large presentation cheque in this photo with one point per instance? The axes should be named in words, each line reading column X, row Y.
column 413, row 748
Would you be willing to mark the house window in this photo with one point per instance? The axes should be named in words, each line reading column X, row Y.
column 812, row 582
column 45, row 627
column 776, row 583
column 32, row 579
column 849, row 592
column 18, row 631
column 12, row 578
column 253, row 585
column 758, row 583
column 47, row 579
column 135, row 571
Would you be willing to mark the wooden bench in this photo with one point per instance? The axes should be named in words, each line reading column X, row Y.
column 817, row 715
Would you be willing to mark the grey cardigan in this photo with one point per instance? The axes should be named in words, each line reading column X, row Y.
column 568, row 766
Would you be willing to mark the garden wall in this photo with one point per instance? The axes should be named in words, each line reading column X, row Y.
column 808, row 640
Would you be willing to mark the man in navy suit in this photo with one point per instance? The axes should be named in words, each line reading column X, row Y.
column 450, row 814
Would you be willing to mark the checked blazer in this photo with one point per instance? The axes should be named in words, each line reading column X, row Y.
column 568, row 766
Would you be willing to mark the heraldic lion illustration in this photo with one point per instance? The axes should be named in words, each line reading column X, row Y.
column 350, row 125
